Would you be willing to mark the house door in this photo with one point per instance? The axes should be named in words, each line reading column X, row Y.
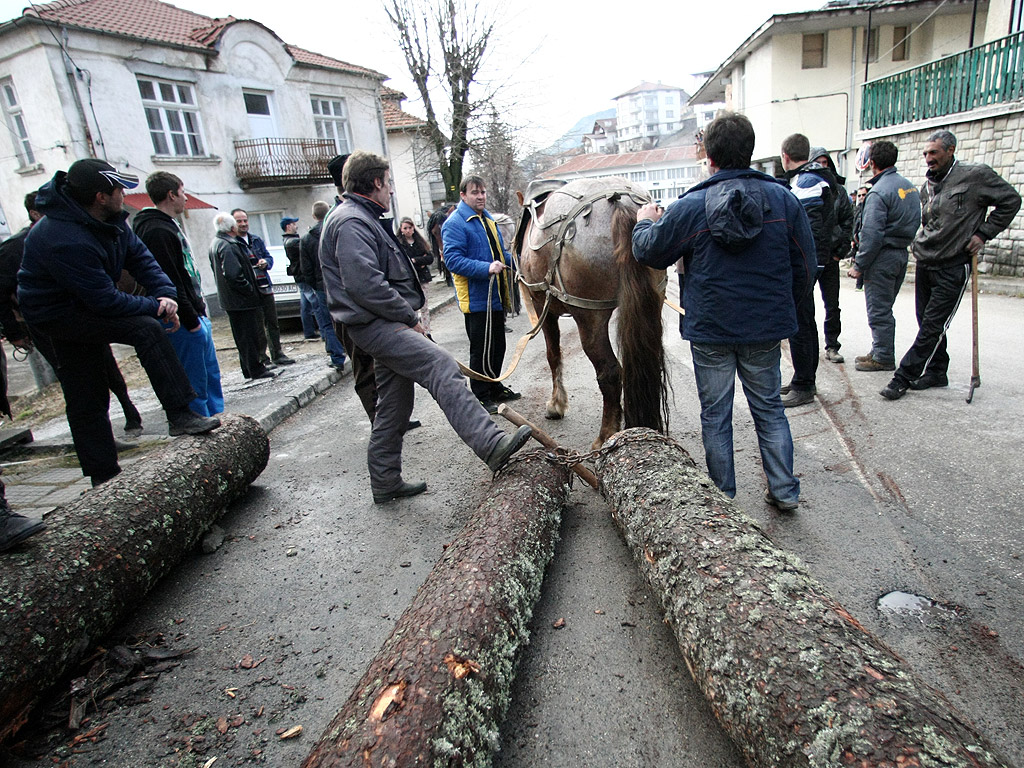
column 261, row 117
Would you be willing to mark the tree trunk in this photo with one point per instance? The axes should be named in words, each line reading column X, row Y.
column 793, row 678
column 68, row 586
column 437, row 690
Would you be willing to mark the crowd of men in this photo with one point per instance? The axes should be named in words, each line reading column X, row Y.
column 751, row 247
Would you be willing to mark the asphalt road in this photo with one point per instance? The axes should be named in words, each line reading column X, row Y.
column 920, row 496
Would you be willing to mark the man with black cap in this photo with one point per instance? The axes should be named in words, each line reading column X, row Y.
column 290, row 241
column 68, row 294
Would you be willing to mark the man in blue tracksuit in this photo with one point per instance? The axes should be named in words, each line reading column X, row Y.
column 749, row 258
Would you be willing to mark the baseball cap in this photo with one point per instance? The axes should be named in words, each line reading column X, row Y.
column 286, row 220
column 94, row 175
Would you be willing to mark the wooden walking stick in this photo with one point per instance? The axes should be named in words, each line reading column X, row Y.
column 975, row 366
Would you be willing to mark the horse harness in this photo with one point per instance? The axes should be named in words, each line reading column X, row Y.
column 565, row 231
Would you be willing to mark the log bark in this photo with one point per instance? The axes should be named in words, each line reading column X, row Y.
column 99, row 556
column 793, row 678
column 437, row 690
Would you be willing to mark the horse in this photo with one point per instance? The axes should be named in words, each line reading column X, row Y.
column 575, row 257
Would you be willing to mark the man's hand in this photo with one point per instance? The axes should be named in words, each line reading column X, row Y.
column 420, row 329
column 854, row 272
column 975, row 245
column 167, row 310
column 262, row 263
column 23, row 345
column 650, row 212
column 495, row 268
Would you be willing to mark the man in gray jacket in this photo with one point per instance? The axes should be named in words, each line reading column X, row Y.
column 955, row 199
column 891, row 215
column 372, row 288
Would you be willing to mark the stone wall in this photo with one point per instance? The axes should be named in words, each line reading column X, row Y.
column 995, row 141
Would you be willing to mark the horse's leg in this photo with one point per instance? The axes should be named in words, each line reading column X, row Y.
column 559, row 402
column 593, row 325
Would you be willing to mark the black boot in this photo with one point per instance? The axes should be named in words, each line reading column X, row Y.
column 15, row 528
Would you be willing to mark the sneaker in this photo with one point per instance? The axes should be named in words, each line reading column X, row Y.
column 894, row 390
column 404, row 491
column 833, row 356
column 283, row 360
column 930, row 380
column 508, row 445
column 490, row 406
column 504, row 395
column 188, row 422
column 873, row 365
column 797, row 397
column 782, row 506
column 15, row 528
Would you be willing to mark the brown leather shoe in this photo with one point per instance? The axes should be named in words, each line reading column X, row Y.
column 862, row 358
column 873, row 365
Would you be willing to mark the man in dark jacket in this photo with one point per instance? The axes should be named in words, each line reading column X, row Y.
column 955, row 225
column 373, row 289
column 290, row 241
column 68, row 295
column 829, row 278
column 312, row 275
column 749, row 258
column 816, row 189
column 891, row 216
column 263, row 262
column 158, row 228
column 239, row 297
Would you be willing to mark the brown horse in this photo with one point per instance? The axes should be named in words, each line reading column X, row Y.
column 574, row 247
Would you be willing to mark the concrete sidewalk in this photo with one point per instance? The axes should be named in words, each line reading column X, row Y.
column 44, row 474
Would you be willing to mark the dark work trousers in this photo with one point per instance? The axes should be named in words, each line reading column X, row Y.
column 476, row 328
column 365, row 383
column 247, row 330
column 937, row 294
column 828, row 282
column 268, row 312
column 803, row 346
column 77, row 346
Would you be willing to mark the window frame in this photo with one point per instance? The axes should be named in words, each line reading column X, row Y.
column 900, row 43
column 14, row 114
column 342, row 145
column 819, row 55
column 181, row 124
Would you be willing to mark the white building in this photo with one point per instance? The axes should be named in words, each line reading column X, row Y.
column 664, row 173
column 419, row 187
column 246, row 120
column 603, row 138
column 645, row 113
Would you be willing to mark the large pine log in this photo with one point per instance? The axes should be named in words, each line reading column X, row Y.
column 793, row 678
column 437, row 690
column 100, row 555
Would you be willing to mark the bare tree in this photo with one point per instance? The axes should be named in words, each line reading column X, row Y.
column 457, row 33
column 496, row 157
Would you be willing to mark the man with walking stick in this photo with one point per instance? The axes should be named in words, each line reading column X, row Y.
column 955, row 199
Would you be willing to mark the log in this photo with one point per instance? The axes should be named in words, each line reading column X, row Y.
column 547, row 441
column 437, row 690
column 792, row 677
column 101, row 554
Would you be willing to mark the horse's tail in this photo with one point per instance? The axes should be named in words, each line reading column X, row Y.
column 645, row 384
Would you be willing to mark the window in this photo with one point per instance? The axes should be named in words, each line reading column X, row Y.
column 813, row 51
column 873, row 45
column 901, row 43
column 266, row 226
column 16, row 124
column 638, row 176
column 670, row 99
column 670, row 113
column 656, row 175
column 1016, row 17
column 173, row 117
column 652, row 115
column 331, row 120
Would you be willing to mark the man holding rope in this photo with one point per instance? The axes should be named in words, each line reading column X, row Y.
column 475, row 256
column 372, row 288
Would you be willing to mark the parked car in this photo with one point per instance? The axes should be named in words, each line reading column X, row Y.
column 286, row 292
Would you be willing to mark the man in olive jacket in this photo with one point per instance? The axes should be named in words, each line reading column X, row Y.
column 955, row 225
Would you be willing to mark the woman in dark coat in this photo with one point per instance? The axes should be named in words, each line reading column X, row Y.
column 415, row 245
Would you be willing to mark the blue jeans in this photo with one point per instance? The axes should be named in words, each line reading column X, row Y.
column 199, row 358
column 306, row 316
column 715, row 367
column 323, row 319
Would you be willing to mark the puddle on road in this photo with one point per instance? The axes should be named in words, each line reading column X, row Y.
column 909, row 604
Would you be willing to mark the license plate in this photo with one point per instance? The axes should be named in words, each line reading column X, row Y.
column 286, row 288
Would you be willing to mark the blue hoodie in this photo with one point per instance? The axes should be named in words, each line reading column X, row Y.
column 73, row 261
column 748, row 256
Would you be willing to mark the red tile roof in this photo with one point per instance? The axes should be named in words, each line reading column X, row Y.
column 625, row 161
column 165, row 23
column 396, row 119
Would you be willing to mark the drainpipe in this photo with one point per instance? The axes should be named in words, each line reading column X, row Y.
column 69, row 69
column 974, row 21
column 387, row 153
column 867, row 43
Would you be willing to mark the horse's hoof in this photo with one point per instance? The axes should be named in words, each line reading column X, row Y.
column 554, row 416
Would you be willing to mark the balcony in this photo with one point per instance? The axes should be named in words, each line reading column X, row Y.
column 988, row 74
column 283, row 162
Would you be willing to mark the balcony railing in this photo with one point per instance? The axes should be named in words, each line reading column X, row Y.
column 988, row 74
column 276, row 162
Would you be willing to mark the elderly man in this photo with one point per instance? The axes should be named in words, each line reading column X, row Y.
column 68, row 294
column 955, row 199
column 372, row 288
column 239, row 296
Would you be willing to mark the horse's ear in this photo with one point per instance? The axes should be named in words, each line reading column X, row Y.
column 519, row 196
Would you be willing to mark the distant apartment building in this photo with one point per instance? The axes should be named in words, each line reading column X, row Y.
column 602, row 138
column 664, row 173
column 648, row 112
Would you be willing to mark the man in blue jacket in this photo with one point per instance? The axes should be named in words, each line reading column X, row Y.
column 475, row 256
column 67, row 291
column 749, row 258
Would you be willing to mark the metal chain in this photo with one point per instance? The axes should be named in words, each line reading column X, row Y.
column 566, row 457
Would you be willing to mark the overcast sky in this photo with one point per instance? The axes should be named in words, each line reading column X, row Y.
column 556, row 60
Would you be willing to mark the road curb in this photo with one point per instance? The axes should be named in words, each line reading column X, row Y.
column 275, row 413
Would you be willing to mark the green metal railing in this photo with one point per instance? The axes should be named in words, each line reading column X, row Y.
column 988, row 74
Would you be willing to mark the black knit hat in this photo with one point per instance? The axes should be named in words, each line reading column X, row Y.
column 335, row 166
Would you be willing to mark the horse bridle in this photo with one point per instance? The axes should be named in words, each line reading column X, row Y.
column 553, row 284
